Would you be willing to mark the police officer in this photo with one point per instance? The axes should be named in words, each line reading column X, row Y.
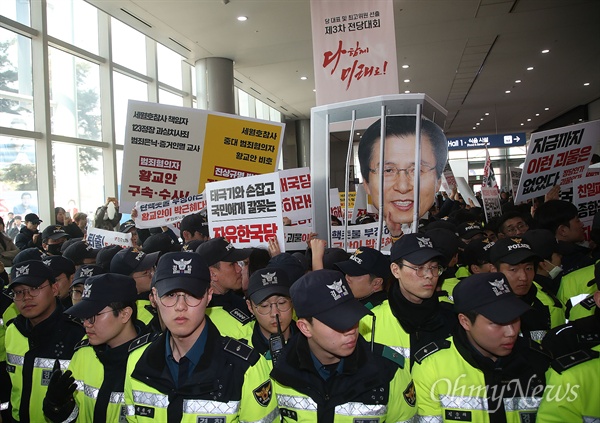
column 227, row 309
column 368, row 275
column 574, row 377
column 63, row 270
column 191, row 373
column 108, row 312
column 81, row 275
column 270, row 303
column 515, row 258
column 37, row 337
column 486, row 372
column 328, row 372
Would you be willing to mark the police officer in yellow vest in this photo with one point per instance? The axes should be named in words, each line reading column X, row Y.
column 227, row 308
column 191, row 373
column 486, row 372
column 574, row 376
column 328, row 372
column 108, row 311
column 37, row 337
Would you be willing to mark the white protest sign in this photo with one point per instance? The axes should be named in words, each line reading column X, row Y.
column 335, row 204
column 360, row 203
column 168, row 212
column 296, row 197
column 246, row 211
column 491, row 202
column 361, row 236
column 465, row 190
column 557, row 157
column 448, row 179
column 99, row 238
column 586, row 197
column 515, row 177
column 297, row 237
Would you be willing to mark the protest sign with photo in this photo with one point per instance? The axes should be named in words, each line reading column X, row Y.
column 164, row 146
column 246, row 211
column 557, row 157
column 99, row 238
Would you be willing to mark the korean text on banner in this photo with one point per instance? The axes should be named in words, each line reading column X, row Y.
column 163, row 213
column 361, row 236
column 99, row 238
column 354, row 49
column 586, row 196
column 164, row 144
column 515, row 177
column 246, row 211
column 491, row 202
column 296, row 197
column 557, row 157
column 448, row 180
column 297, row 237
column 335, row 204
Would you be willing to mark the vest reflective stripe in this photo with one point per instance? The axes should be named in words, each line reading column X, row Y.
column 148, row 398
column 537, row 335
column 463, row 403
column 15, row 360
column 405, row 351
column 577, row 299
column 299, row 403
column 269, row 418
column 4, row 405
column 521, row 403
column 130, row 410
column 360, row 409
column 116, row 398
column 48, row 363
column 91, row 392
column 210, row 407
column 587, row 419
column 429, row 419
column 72, row 416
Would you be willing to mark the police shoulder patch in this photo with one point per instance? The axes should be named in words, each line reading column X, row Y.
column 238, row 348
column 83, row 343
column 240, row 316
column 142, row 340
column 263, row 393
column 393, row 356
column 567, row 361
column 588, row 303
column 429, row 349
column 410, row 395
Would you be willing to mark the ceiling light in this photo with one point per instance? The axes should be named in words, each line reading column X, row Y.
column 407, row 92
column 481, row 119
column 537, row 114
column 314, row 90
column 518, row 81
column 547, row 108
column 529, row 120
column 478, row 124
column 304, row 78
column 242, row 18
column 407, row 80
column 585, row 84
column 507, row 92
column 530, row 68
column 358, row 133
column 405, row 66
column 522, row 124
column 474, row 127
column 487, row 114
column 545, row 51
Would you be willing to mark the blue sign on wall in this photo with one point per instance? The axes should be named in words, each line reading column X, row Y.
column 491, row 141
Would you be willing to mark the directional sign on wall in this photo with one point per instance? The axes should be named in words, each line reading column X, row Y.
column 491, row 141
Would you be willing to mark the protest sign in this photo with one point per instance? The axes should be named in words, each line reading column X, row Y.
column 361, row 236
column 465, row 190
column 557, row 157
column 335, row 205
column 297, row 237
column 99, row 238
column 164, row 145
column 515, row 177
column 246, row 211
column 491, row 202
column 162, row 213
column 448, row 180
column 296, row 197
column 586, row 197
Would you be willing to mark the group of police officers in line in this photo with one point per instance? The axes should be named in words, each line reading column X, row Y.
column 412, row 337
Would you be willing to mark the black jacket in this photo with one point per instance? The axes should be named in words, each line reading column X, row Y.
column 24, row 239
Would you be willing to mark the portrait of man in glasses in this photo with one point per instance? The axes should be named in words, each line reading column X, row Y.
column 399, row 167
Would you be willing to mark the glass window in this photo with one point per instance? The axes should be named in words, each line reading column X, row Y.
column 79, row 183
column 274, row 115
column 16, row 86
column 18, row 190
column 169, row 66
column 75, row 22
column 243, row 102
column 457, row 154
column 74, row 96
column 166, row 97
column 262, row 110
column 128, row 46
column 125, row 89
column 17, row 10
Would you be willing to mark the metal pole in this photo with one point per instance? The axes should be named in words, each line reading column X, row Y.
column 382, row 135
column 327, row 179
column 347, row 178
column 417, row 177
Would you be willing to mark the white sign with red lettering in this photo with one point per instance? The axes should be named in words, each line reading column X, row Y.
column 163, row 213
column 557, row 157
column 246, row 211
column 361, row 236
column 354, row 49
column 586, row 197
column 99, row 238
column 296, row 197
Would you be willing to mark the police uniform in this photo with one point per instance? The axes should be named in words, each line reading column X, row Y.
column 546, row 312
column 365, row 386
column 574, row 376
column 456, row 382
column 575, row 291
column 231, row 382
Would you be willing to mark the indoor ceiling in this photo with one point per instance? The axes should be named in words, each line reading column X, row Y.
column 464, row 54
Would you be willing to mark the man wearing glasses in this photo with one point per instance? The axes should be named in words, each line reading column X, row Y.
column 412, row 318
column 36, row 338
column 512, row 224
column 92, row 388
column 140, row 266
column 399, row 168
column 191, row 372
column 270, row 303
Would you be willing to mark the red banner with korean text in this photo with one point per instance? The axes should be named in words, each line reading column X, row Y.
column 354, row 49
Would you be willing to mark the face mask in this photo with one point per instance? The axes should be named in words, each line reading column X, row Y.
column 553, row 273
column 54, row 249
